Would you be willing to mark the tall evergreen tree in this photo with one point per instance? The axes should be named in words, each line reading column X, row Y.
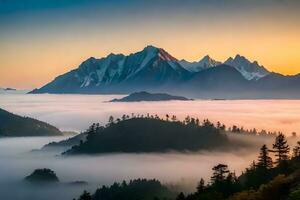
column 85, row 196
column 180, row 196
column 296, row 150
column 264, row 160
column 281, row 149
column 201, row 186
column 110, row 120
column 220, row 172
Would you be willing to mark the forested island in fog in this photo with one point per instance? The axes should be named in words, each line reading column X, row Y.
column 146, row 96
column 150, row 133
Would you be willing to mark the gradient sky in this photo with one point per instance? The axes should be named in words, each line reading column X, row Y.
column 40, row 39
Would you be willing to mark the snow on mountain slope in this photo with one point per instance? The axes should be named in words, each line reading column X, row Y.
column 250, row 70
column 205, row 63
column 151, row 68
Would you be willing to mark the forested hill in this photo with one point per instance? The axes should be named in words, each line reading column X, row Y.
column 16, row 126
column 265, row 179
column 151, row 134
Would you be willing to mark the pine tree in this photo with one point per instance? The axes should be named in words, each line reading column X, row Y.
column 85, row 196
column 180, row 196
column 174, row 118
column 220, row 173
column 296, row 150
column 201, row 186
column 111, row 120
column 264, row 160
column 281, row 149
column 167, row 117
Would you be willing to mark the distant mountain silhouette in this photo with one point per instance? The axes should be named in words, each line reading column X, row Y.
column 64, row 144
column 155, row 70
column 146, row 96
column 14, row 125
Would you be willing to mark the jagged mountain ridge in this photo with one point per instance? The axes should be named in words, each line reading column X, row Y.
column 155, row 70
column 150, row 67
column 205, row 63
column 250, row 70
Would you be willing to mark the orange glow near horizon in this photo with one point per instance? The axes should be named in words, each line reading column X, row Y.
column 32, row 58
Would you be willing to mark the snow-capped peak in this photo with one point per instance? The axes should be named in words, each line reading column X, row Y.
column 250, row 70
column 207, row 62
column 204, row 63
column 161, row 53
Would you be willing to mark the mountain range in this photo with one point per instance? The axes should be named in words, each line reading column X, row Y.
column 154, row 69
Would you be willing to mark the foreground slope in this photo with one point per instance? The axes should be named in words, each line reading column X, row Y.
column 14, row 125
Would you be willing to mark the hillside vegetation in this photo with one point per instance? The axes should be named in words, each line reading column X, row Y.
column 151, row 134
column 17, row 126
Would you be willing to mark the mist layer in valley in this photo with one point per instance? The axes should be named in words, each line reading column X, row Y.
column 77, row 112
column 179, row 170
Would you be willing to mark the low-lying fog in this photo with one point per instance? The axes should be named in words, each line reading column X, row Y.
column 16, row 162
column 77, row 112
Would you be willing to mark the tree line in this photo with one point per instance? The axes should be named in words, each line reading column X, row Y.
column 264, row 179
column 188, row 120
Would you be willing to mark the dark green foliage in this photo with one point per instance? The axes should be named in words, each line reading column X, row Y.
column 224, row 181
column 67, row 143
column 295, row 195
column 260, row 181
column 42, row 175
column 151, row 134
column 14, row 125
column 201, row 186
column 281, row 149
column 253, row 177
column 140, row 189
column 180, row 196
column 296, row 150
column 264, row 160
column 85, row 196
column 219, row 173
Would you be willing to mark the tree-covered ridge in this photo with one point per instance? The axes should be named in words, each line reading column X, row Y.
column 152, row 134
column 14, row 125
column 263, row 180
column 138, row 189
